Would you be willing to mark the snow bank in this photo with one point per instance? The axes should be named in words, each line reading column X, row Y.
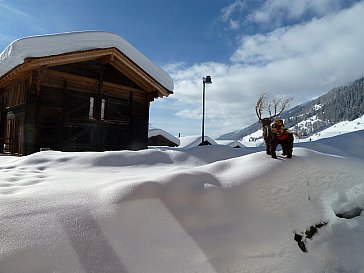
column 45, row 45
column 210, row 209
column 349, row 144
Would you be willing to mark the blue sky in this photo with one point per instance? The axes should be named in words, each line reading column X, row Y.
column 299, row 48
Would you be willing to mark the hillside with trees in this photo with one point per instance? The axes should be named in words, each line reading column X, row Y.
column 339, row 104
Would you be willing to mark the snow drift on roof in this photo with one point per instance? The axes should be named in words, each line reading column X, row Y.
column 54, row 44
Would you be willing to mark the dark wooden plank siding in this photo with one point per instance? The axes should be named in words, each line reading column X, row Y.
column 49, row 118
column 140, row 119
column 84, row 106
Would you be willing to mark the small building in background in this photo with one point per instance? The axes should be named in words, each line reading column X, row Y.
column 230, row 143
column 159, row 137
column 194, row 141
column 80, row 91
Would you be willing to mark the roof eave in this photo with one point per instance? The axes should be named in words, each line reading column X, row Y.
column 119, row 60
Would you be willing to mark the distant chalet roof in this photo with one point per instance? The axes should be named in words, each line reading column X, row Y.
column 23, row 50
column 194, row 141
column 159, row 132
column 230, row 143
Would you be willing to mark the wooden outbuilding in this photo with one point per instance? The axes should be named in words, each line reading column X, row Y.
column 159, row 137
column 76, row 99
column 230, row 143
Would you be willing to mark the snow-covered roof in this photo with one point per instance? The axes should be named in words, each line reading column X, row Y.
column 194, row 141
column 55, row 44
column 157, row 132
column 230, row 143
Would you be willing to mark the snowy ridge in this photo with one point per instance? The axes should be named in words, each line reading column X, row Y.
column 54, row 44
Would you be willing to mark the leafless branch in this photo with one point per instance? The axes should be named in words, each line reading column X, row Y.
column 274, row 106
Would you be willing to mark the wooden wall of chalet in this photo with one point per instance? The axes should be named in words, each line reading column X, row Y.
column 12, row 116
column 77, row 107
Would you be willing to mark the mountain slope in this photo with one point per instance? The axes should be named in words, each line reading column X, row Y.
column 339, row 104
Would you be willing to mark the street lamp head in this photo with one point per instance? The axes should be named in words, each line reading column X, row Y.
column 207, row 79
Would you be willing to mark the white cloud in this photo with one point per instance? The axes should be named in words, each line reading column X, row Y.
column 226, row 12
column 234, row 24
column 273, row 13
column 190, row 113
column 302, row 61
column 275, row 10
column 318, row 36
column 229, row 13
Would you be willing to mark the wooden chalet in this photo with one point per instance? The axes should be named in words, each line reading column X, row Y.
column 89, row 100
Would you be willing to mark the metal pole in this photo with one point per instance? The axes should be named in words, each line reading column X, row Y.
column 203, row 112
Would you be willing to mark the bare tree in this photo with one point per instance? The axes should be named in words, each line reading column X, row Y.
column 271, row 105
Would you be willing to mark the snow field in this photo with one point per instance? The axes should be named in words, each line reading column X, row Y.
column 204, row 209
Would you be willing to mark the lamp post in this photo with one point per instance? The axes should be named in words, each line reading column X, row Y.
column 205, row 80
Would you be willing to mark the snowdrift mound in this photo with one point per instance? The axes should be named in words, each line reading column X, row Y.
column 199, row 210
column 348, row 144
column 147, row 158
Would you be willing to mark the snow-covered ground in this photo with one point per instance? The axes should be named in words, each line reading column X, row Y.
column 338, row 129
column 253, row 140
column 205, row 209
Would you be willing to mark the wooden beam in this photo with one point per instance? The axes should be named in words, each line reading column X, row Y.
column 41, row 72
column 48, row 61
column 107, row 59
column 10, row 79
column 67, row 58
column 132, row 74
column 136, row 74
column 109, row 55
column 77, row 78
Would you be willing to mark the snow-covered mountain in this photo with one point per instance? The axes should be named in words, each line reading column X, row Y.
column 344, row 127
column 341, row 104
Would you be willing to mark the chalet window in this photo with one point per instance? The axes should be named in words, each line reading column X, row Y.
column 91, row 108
column 79, row 135
column 9, row 133
column 103, row 103
column 78, row 107
column 118, row 110
column 91, row 113
column 110, row 109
